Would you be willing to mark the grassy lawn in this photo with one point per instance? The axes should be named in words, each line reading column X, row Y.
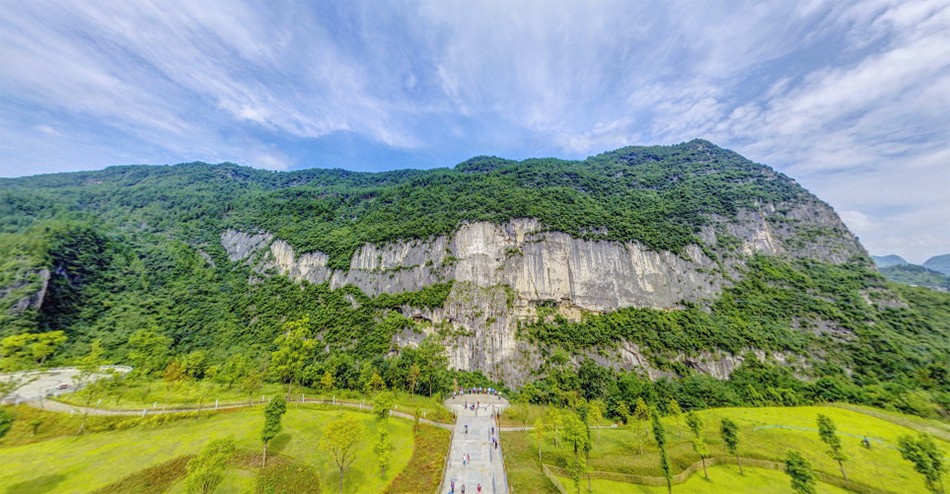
column 616, row 450
column 138, row 395
column 424, row 470
column 722, row 478
column 68, row 465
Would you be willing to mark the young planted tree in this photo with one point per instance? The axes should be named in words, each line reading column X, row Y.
column 642, row 415
column 730, row 436
column 576, row 438
column 374, row 383
column 540, row 432
column 294, row 347
column 340, row 439
column 623, row 409
column 148, row 355
column 327, row 382
column 677, row 413
column 553, row 423
column 659, row 433
column 828, row 433
column 695, row 423
column 585, row 411
column 701, row 449
column 7, row 418
column 383, row 447
column 206, row 471
column 273, row 413
column 801, row 474
column 383, row 403
column 595, row 416
column 926, row 457
column 89, row 369
column 414, row 373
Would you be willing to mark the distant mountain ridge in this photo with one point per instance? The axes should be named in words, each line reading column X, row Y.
column 934, row 273
column 939, row 263
column 891, row 260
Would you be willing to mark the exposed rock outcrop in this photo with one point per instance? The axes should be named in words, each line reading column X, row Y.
column 503, row 271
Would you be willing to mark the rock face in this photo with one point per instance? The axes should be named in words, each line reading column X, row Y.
column 502, row 272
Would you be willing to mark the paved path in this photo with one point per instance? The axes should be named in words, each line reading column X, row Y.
column 487, row 466
column 47, row 382
column 57, row 406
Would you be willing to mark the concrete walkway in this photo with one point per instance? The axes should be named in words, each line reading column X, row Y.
column 487, row 465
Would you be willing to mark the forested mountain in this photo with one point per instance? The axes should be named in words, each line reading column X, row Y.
column 689, row 266
column 889, row 260
column 940, row 264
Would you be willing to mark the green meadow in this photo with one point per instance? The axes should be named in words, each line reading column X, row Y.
column 722, row 479
column 193, row 394
column 68, row 464
column 618, row 450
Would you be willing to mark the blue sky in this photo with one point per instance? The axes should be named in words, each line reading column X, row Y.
column 850, row 98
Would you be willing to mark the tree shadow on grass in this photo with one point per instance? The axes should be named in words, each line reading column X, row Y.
column 279, row 442
column 39, row 485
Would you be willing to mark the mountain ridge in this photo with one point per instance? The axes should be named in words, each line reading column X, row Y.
column 670, row 261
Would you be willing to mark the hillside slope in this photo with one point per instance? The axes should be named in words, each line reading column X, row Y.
column 670, row 259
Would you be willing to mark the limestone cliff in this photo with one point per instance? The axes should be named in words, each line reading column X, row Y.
column 502, row 272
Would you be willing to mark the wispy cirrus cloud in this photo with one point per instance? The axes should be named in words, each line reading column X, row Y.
column 849, row 97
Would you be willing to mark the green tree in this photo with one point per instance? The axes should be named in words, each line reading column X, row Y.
column 294, row 347
column 206, row 471
column 677, row 413
column 383, row 447
column 641, row 413
column 235, row 368
column 553, row 423
column 149, row 353
column 595, row 416
column 414, row 373
column 327, row 382
column 701, row 449
column 659, row 433
column 801, row 474
column 383, row 403
column 375, row 382
column 695, row 423
column 7, row 418
column 730, row 436
column 34, row 348
column 828, row 433
column 273, row 413
column 540, row 433
column 576, row 437
column 926, row 458
column 340, row 439
column 89, row 368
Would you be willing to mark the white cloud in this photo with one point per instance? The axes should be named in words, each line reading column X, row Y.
column 835, row 93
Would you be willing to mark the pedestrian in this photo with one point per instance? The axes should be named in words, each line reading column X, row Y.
column 493, row 431
column 466, row 428
column 452, row 486
column 463, row 488
column 479, row 487
column 469, row 458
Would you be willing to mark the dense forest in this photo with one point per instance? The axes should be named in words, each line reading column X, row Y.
column 133, row 254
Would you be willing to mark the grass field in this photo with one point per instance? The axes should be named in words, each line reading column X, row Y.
column 722, row 478
column 138, row 395
column 71, row 465
column 616, row 451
